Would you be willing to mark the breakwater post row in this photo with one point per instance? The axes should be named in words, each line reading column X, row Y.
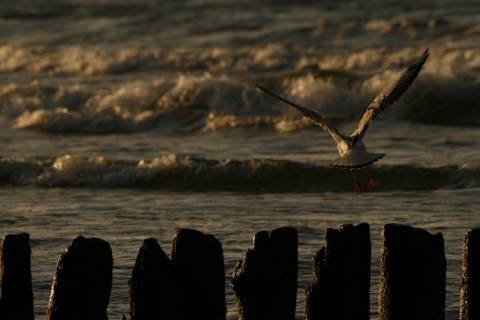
column 191, row 284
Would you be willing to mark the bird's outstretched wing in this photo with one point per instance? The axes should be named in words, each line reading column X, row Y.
column 389, row 95
column 315, row 117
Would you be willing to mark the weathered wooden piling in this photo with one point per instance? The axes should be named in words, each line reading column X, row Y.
column 17, row 296
column 412, row 274
column 340, row 286
column 82, row 282
column 470, row 287
column 265, row 281
column 200, row 270
column 153, row 289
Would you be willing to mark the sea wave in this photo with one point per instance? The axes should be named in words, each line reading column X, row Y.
column 183, row 173
column 108, row 71
column 206, row 103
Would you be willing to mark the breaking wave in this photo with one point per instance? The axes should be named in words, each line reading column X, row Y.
column 183, row 173
column 207, row 103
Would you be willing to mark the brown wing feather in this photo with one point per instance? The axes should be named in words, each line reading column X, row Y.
column 389, row 95
column 315, row 117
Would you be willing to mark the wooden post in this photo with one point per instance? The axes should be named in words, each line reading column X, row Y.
column 198, row 260
column 17, row 295
column 340, row 286
column 412, row 274
column 470, row 287
column 265, row 281
column 82, row 282
column 153, row 290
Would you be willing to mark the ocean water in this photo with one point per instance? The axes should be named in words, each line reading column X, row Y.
column 125, row 121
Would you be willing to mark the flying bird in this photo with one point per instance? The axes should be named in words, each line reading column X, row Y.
column 352, row 150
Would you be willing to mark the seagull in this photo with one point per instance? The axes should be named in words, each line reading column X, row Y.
column 352, row 150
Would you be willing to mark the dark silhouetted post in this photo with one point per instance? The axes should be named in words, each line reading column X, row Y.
column 412, row 274
column 82, row 282
column 340, row 286
column 470, row 288
column 198, row 261
column 153, row 290
column 17, row 295
column 265, row 281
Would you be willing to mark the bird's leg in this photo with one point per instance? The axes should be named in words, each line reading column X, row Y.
column 357, row 185
column 372, row 182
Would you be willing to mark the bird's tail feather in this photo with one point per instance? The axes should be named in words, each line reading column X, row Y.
column 353, row 160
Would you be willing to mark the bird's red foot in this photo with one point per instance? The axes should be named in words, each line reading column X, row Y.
column 357, row 187
column 373, row 182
